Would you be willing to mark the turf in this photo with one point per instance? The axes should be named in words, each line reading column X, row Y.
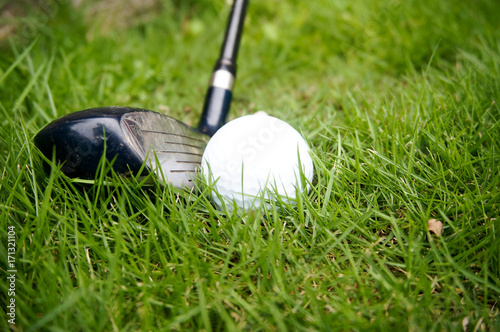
column 399, row 103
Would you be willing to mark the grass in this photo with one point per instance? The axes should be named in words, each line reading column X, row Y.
column 399, row 102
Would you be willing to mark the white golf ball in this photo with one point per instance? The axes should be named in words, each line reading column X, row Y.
column 256, row 155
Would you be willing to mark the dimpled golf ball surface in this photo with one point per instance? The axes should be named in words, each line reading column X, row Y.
column 255, row 155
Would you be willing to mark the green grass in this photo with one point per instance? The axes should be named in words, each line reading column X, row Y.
column 399, row 102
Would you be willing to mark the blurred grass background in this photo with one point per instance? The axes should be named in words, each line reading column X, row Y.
column 398, row 100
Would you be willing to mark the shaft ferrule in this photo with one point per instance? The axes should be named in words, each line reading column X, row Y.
column 222, row 79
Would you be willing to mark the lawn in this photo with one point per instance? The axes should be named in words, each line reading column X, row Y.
column 398, row 100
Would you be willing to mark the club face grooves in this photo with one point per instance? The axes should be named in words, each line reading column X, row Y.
column 167, row 134
column 162, row 144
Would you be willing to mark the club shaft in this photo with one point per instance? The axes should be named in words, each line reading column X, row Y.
column 219, row 93
column 229, row 50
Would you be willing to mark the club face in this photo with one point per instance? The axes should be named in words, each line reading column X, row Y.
column 128, row 136
column 172, row 149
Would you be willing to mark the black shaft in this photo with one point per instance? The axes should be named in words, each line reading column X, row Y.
column 231, row 45
column 219, row 94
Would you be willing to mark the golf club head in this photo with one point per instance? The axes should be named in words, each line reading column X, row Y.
column 130, row 137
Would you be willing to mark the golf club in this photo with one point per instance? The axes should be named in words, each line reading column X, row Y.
column 131, row 136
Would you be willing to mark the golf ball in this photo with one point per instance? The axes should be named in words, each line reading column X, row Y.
column 256, row 156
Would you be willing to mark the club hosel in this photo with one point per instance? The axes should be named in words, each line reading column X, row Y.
column 215, row 109
column 218, row 98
